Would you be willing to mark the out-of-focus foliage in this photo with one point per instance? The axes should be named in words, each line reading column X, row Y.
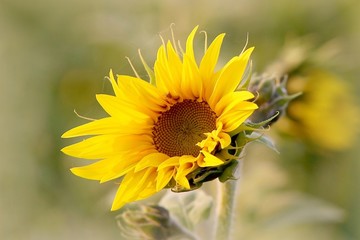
column 326, row 114
column 269, row 208
column 53, row 59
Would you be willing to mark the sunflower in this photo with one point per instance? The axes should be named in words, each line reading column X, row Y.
column 312, row 117
column 158, row 133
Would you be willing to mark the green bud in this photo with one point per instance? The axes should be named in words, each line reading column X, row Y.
column 272, row 98
column 149, row 222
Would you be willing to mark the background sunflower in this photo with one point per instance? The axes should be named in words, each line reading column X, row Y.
column 54, row 56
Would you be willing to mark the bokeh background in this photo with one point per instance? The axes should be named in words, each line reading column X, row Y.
column 53, row 59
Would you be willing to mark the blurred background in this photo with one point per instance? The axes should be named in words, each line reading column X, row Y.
column 54, row 56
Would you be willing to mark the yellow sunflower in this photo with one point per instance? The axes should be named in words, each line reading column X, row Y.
column 312, row 117
column 156, row 134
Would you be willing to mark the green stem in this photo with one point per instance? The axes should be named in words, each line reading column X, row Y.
column 225, row 209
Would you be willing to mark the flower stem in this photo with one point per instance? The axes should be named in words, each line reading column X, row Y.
column 225, row 209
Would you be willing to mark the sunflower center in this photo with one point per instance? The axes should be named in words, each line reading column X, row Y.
column 178, row 130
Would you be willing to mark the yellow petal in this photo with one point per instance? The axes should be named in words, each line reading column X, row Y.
column 187, row 159
column 107, row 125
column 183, row 181
column 162, row 75
column 171, row 162
column 209, row 144
column 113, row 83
column 209, row 61
column 190, row 44
column 134, row 186
column 141, row 93
column 175, row 67
column 208, row 64
column 94, row 171
column 235, row 118
column 164, row 176
column 134, row 142
column 230, row 77
column 120, row 109
column 191, row 84
column 209, row 160
column 102, row 126
column 224, row 140
column 231, row 100
column 97, row 147
column 151, row 160
column 149, row 190
column 127, row 163
column 187, row 165
column 168, row 70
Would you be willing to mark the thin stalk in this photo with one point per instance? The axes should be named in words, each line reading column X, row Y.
column 225, row 209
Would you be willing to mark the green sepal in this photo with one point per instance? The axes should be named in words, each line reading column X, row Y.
column 230, row 172
column 267, row 141
column 250, row 126
column 256, row 126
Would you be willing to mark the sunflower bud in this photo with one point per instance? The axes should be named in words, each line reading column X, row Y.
column 272, row 99
column 148, row 222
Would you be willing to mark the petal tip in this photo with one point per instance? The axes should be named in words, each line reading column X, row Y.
column 67, row 134
column 116, row 206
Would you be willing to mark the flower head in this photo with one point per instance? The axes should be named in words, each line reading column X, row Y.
column 312, row 117
column 158, row 133
column 273, row 98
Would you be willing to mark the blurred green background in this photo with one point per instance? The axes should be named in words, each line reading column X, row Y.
column 53, row 59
